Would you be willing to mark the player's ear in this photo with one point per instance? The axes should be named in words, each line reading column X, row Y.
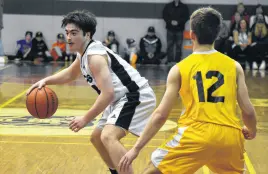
column 88, row 35
column 192, row 35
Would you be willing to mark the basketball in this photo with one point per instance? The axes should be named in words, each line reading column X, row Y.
column 42, row 103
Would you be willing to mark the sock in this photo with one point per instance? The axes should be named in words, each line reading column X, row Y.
column 113, row 171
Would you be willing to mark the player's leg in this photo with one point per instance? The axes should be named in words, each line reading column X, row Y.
column 130, row 114
column 111, row 136
column 151, row 169
column 97, row 143
column 185, row 152
column 229, row 158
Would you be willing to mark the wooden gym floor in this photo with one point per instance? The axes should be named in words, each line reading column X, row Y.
column 33, row 146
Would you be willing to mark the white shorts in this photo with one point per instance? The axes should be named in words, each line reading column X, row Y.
column 131, row 112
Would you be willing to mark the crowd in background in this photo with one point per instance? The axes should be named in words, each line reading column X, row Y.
column 244, row 38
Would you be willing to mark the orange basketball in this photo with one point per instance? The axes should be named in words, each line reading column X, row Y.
column 42, row 103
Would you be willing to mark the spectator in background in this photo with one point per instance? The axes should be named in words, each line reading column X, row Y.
column 150, row 48
column 58, row 50
column 243, row 14
column 234, row 26
column 175, row 15
column 2, row 54
column 24, row 46
column 242, row 42
column 235, row 23
column 259, row 11
column 260, row 41
column 131, row 52
column 39, row 51
column 220, row 42
column 111, row 42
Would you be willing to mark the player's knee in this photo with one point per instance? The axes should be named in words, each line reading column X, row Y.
column 95, row 137
column 107, row 137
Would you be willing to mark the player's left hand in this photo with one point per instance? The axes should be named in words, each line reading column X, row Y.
column 127, row 159
column 77, row 123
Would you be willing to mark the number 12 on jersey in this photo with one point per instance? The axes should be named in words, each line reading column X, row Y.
column 211, row 89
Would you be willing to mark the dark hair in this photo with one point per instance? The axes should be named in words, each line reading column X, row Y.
column 29, row 33
column 247, row 26
column 83, row 19
column 206, row 24
column 258, row 5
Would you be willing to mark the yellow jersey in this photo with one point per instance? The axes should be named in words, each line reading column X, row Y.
column 208, row 89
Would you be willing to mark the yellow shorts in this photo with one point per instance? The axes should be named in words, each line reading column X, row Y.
column 220, row 148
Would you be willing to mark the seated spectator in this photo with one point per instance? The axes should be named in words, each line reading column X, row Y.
column 234, row 26
column 242, row 44
column 235, row 23
column 243, row 14
column 150, row 48
column 220, row 42
column 39, row 51
column 58, row 50
column 260, row 41
column 131, row 52
column 24, row 46
column 111, row 42
column 259, row 11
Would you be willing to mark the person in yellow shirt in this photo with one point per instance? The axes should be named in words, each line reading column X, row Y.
column 209, row 132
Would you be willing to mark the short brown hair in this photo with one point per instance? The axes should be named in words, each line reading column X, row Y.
column 206, row 24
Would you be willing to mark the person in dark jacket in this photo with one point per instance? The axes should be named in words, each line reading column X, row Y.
column 175, row 14
column 150, row 47
column 111, row 42
column 39, row 49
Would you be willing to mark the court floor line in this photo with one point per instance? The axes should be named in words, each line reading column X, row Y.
column 5, row 67
column 249, row 164
column 67, row 136
column 205, row 170
column 20, row 94
column 61, row 143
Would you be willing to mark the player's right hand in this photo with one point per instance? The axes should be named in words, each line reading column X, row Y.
column 127, row 159
column 248, row 134
column 38, row 85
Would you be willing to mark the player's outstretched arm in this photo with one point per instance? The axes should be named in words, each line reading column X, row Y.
column 158, row 118
column 67, row 75
column 248, row 111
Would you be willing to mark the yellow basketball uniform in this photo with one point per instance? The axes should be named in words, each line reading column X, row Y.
column 209, row 132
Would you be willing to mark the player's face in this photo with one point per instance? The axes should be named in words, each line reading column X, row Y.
column 75, row 37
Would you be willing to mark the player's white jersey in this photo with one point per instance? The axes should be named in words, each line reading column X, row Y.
column 125, row 78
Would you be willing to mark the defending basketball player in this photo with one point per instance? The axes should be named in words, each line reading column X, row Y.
column 125, row 98
column 209, row 132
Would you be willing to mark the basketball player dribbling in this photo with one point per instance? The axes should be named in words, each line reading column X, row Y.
column 125, row 98
column 209, row 132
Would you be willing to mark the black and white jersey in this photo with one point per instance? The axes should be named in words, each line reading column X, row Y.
column 125, row 78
